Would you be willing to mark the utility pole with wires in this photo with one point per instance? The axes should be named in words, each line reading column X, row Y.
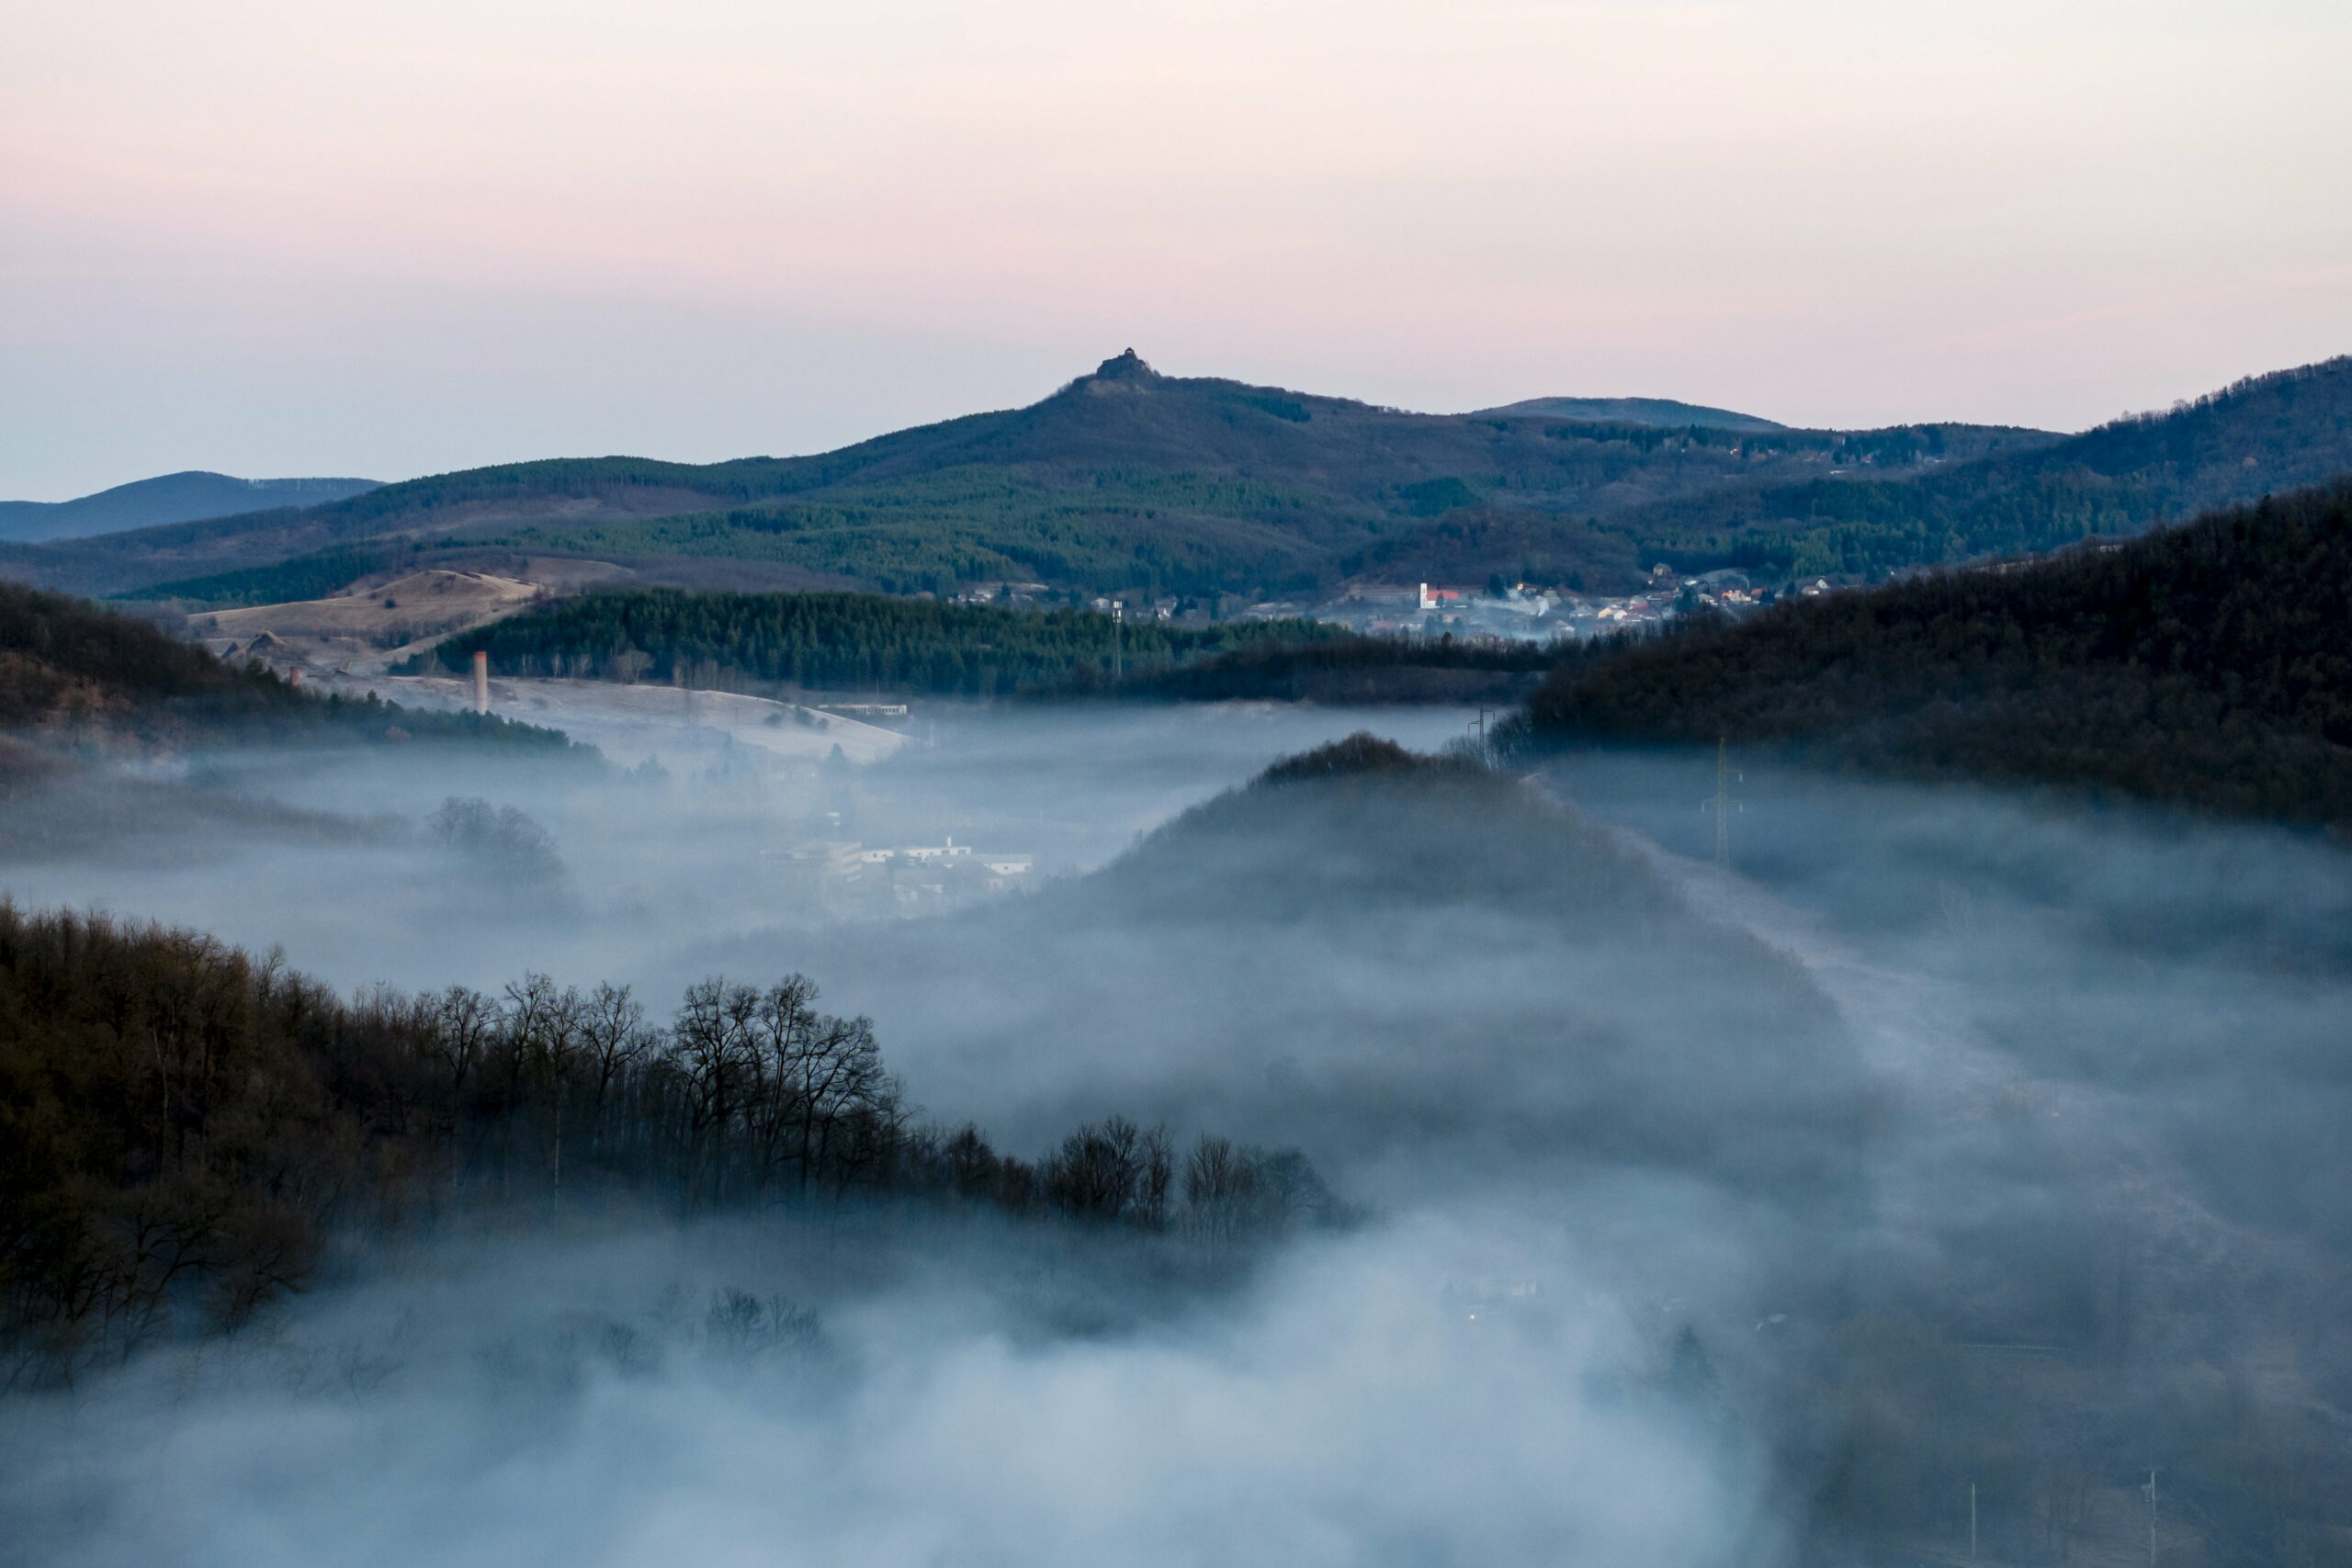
column 2151, row 1490
column 1723, row 802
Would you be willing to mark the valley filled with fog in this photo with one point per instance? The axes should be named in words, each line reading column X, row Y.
column 1633, row 1206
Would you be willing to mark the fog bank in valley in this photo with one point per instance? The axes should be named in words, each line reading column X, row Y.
column 1685, row 1213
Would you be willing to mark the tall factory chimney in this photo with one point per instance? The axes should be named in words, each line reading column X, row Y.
column 481, row 681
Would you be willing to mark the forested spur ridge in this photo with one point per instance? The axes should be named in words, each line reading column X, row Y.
column 841, row 642
column 76, row 674
column 2207, row 666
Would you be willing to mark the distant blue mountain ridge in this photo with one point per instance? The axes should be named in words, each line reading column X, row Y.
column 169, row 498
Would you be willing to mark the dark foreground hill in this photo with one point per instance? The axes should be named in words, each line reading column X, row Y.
column 188, row 1127
column 171, row 498
column 2207, row 666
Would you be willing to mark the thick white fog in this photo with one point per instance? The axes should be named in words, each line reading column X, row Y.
column 544, row 1402
column 648, row 868
column 1651, row 1165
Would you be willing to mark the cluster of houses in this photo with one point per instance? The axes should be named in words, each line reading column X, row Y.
column 1518, row 613
column 848, row 878
column 1522, row 614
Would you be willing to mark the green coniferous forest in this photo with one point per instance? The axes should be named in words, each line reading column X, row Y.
column 842, row 642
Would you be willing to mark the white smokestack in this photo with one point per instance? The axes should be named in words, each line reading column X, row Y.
column 482, row 681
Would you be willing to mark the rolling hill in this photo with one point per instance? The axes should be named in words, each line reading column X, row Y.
column 171, row 498
column 2207, row 666
column 1662, row 411
column 1128, row 480
column 2266, row 434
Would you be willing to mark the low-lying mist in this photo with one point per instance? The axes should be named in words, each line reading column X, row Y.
column 330, row 854
column 1946, row 1162
column 880, row 1391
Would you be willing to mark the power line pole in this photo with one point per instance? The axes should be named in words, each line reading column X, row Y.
column 2151, row 1519
column 1723, row 802
column 1971, row 1521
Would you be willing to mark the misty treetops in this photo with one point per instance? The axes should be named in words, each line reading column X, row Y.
column 187, row 1125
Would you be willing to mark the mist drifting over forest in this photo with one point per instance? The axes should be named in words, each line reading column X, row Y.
column 1612, row 1205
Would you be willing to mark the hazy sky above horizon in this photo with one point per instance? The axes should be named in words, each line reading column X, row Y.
column 393, row 237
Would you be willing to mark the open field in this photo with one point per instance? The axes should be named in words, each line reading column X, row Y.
column 365, row 624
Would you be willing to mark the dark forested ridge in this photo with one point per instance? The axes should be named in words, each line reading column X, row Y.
column 76, row 675
column 842, row 642
column 2209, row 666
column 185, row 1126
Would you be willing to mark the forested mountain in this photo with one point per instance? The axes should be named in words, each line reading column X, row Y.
column 172, row 498
column 839, row 642
column 1122, row 479
column 1128, row 480
column 2209, row 666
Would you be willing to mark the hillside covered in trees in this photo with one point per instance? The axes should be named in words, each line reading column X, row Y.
column 842, row 642
column 1129, row 481
column 2258, row 436
column 2207, row 666
column 1123, row 479
column 76, row 675
column 168, row 498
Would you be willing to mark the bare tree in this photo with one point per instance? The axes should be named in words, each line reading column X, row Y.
column 615, row 1041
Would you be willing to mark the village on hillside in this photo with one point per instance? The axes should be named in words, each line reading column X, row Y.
column 1496, row 613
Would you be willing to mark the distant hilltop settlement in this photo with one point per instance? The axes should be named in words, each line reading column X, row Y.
column 847, row 878
column 1499, row 611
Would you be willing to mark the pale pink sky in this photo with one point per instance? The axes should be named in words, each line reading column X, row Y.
column 391, row 237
